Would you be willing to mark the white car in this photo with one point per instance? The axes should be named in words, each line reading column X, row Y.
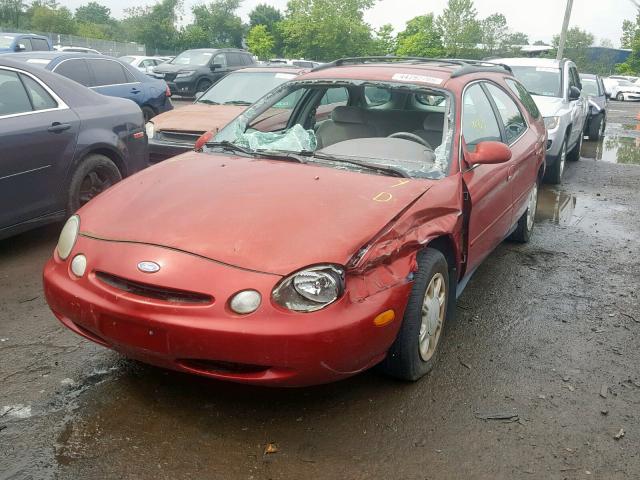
column 625, row 90
column 299, row 62
column 61, row 48
column 144, row 64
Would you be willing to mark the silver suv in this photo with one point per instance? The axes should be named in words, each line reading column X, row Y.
column 556, row 89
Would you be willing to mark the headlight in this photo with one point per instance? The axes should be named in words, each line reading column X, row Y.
column 551, row 122
column 310, row 289
column 151, row 129
column 185, row 74
column 68, row 237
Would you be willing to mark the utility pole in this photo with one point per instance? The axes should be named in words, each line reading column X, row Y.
column 565, row 27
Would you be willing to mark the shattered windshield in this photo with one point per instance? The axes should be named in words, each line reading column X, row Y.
column 382, row 128
column 243, row 88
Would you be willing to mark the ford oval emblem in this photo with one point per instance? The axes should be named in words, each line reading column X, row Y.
column 148, row 267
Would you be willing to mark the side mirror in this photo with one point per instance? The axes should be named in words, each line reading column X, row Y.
column 607, row 95
column 215, row 66
column 574, row 93
column 20, row 47
column 489, row 153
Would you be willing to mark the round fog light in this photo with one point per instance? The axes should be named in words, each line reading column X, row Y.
column 246, row 301
column 79, row 265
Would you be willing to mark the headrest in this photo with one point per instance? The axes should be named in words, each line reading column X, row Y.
column 434, row 121
column 348, row 115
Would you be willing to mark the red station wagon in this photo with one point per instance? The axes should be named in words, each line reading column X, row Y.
column 309, row 249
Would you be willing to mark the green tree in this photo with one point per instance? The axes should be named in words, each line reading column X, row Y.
column 326, row 29
column 628, row 31
column 384, row 41
column 260, row 42
column 540, row 43
column 576, row 39
column 12, row 13
column 517, row 38
column 494, row 32
column 420, row 38
column 155, row 25
column 193, row 36
column 58, row 20
column 266, row 15
column 93, row 12
column 460, row 29
column 219, row 20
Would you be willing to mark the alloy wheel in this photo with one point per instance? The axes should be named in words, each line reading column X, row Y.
column 433, row 311
column 533, row 206
column 94, row 183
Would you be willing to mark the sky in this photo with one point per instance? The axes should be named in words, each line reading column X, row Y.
column 540, row 19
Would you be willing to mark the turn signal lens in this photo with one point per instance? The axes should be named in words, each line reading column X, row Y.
column 79, row 265
column 384, row 318
column 246, row 301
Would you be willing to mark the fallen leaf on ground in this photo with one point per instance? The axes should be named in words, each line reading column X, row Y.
column 270, row 448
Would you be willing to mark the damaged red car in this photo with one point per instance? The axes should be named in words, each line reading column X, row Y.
column 309, row 248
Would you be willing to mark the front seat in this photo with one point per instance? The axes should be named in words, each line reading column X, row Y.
column 345, row 123
column 432, row 129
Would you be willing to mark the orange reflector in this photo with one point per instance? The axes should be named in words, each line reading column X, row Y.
column 202, row 140
column 384, row 318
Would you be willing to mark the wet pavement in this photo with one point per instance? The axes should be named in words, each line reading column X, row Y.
column 538, row 373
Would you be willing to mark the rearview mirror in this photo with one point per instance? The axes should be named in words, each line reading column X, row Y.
column 20, row 47
column 215, row 66
column 574, row 93
column 489, row 153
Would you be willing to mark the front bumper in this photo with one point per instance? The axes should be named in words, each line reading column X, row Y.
column 185, row 87
column 272, row 346
column 160, row 150
column 553, row 147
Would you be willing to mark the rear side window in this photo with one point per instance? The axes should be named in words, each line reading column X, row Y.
column 375, row 96
column 76, row 70
column 40, row 98
column 512, row 119
column 234, row 59
column 39, row 44
column 247, row 59
column 335, row 96
column 26, row 43
column 13, row 97
column 479, row 124
column 524, row 96
column 107, row 72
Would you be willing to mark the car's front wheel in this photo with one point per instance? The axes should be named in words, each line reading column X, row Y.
column 620, row 97
column 555, row 171
column 414, row 351
column 91, row 177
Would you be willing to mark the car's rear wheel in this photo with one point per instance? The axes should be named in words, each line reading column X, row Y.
column 620, row 97
column 148, row 113
column 525, row 225
column 91, row 177
column 596, row 128
column 414, row 351
column 555, row 171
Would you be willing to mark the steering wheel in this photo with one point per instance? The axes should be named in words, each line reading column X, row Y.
column 411, row 136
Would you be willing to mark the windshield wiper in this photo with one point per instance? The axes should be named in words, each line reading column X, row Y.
column 231, row 147
column 208, row 102
column 281, row 155
column 237, row 102
column 396, row 172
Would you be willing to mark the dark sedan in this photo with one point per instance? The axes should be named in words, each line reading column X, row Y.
column 62, row 144
column 106, row 75
column 593, row 88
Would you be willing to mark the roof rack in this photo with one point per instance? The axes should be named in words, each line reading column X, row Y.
column 466, row 66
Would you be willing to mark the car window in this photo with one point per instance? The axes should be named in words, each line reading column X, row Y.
column 524, row 96
column 590, row 86
column 247, row 59
column 573, row 81
column 148, row 63
column 40, row 98
column 512, row 119
column 479, row 123
column 107, row 72
column 39, row 44
column 335, row 96
column 194, row 58
column 6, row 41
column 76, row 70
column 13, row 97
column 375, row 96
column 234, row 59
column 542, row 81
column 221, row 60
column 26, row 42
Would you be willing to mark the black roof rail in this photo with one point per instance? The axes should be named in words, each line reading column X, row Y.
column 466, row 65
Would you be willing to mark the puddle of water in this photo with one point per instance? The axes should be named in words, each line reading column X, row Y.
column 621, row 144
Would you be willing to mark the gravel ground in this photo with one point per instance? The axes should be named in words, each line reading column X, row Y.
column 538, row 377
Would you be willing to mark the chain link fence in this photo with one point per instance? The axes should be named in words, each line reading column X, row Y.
column 106, row 47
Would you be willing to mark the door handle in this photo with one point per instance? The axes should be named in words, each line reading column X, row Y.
column 57, row 127
column 135, row 90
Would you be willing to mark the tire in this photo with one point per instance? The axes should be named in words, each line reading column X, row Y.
column 555, row 171
column 574, row 154
column 414, row 352
column 203, row 85
column 596, row 128
column 620, row 97
column 148, row 113
column 92, row 176
column 522, row 233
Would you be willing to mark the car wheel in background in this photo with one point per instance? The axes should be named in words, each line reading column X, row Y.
column 596, row 128
column 203, row 85
column 574, row 154
column 555, row 171
column 92, row 176
column 525, row 225
column 620, row 97
column 414, row 351
column 148, row 113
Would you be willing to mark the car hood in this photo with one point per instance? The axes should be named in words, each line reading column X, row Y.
column 548, row 106
column 197, row 117
column 262, row 215
column 172, row 68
